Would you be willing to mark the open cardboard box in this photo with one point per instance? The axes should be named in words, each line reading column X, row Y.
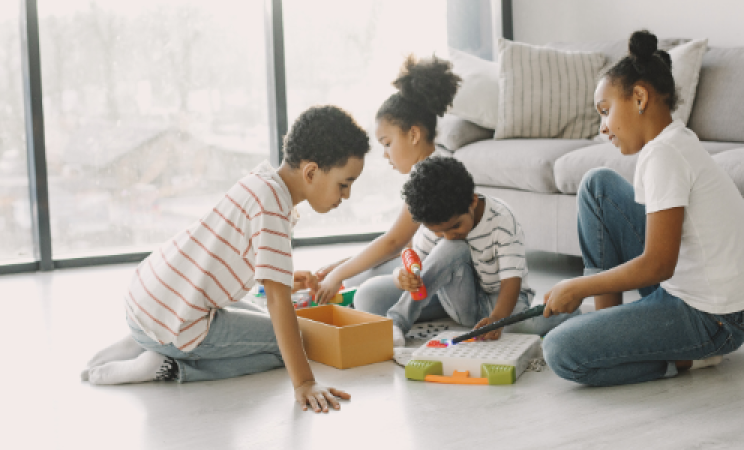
column 343, row 337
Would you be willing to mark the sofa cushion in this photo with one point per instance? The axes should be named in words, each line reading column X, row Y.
column 546, row 93
column 715, row 148
column 453, row 132
column 686, row 61
column 525, row 164
column 571, row 168
column 732, row 162
column 718, row 110
column 477, row 98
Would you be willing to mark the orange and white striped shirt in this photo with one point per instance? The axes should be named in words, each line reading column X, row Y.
column 246, row 237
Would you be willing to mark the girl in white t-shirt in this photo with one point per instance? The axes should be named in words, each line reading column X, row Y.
column 676, row 235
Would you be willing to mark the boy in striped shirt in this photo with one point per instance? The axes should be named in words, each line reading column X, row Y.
column 183, row 305
column 473, row 254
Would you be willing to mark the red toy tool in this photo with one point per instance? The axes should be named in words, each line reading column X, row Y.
column 412, row 262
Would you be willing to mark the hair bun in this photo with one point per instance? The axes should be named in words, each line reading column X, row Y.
column 643, row 44
column 664, row 56
column 428, row 82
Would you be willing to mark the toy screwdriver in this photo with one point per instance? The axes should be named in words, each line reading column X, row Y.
column 524, row 315
column 412, row 262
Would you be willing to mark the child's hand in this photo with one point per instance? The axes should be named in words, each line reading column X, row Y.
column 325, row 270
column 326, row 290
column 406, row 280
column 304, row 279
column 491, row 335
column 561, row 299
column 318, row 397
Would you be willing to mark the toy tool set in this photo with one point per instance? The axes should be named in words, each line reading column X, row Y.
column 412, row 263
column 519, row 317
column 498, row 362
column 344, row 297
column 303, row 299
column 451, row 359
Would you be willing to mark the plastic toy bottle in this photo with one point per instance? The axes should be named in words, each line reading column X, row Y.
column 412, row 262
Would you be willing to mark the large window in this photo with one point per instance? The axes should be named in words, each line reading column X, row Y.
column 153, row 109
column 348, row 55
column 15, row 211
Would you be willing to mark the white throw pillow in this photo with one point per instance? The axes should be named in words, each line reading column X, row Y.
column 477, row 99
column 546, row 93
column 455, row 132
column 686, row 62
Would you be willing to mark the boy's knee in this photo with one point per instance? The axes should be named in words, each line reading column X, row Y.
column 449, row 253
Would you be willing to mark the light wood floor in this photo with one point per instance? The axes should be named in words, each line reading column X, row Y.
column 53, row 322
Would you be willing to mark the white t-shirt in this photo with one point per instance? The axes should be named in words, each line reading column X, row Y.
column 496, row 247
column 214, row 262
column 675, row 170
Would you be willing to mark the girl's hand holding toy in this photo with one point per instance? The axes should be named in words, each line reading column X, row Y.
column 326, row 289
column 562, row 298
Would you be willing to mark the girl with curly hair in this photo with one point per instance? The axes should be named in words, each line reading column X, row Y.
column 406, row 127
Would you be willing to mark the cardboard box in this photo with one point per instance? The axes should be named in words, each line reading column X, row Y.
column 343, row 337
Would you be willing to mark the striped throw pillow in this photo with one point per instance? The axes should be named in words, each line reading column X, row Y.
column 546, row 93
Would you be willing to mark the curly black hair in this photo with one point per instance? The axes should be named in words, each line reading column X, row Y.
column 645, row 62
column 326, row 135
column 438, row 189
column 426, row 88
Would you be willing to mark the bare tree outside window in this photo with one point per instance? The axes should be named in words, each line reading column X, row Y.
column 153, row 109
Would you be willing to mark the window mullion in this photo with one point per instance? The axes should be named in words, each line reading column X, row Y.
column 277, row 87
column 35, row 143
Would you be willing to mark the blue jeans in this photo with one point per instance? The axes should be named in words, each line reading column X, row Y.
column 639, row 341
column 454, row 291
column 240, row 341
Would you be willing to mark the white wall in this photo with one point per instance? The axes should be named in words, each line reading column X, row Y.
column 543, row 21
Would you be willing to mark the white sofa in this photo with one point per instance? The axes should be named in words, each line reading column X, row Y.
column 538, row 178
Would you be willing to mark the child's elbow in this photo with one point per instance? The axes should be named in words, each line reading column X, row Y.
column 667, row 272
column 393, row 243
column 663, row 269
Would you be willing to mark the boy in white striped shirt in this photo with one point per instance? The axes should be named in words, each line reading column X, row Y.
column 473, row 251
column 184, row 306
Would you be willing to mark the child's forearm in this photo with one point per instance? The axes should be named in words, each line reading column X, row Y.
column 382, row 249
column 377, row 252
column 634, row 274
column 284, row 320
column 508, row 297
